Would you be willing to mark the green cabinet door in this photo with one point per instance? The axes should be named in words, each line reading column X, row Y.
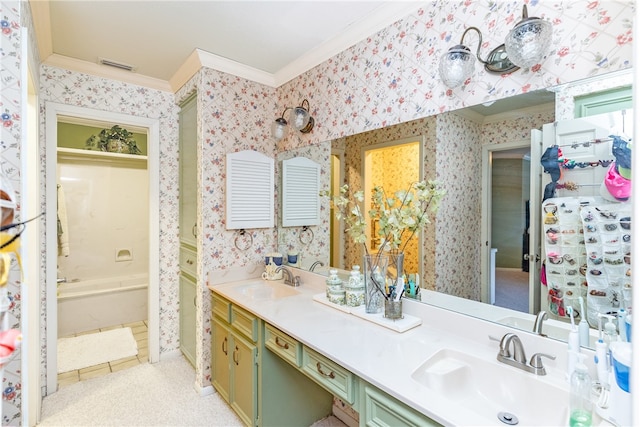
column 244, row 379
column 220, row 369
column 188, row 318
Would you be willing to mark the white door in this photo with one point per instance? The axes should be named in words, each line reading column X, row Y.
column 586, row 145
column 584, row 142
column 535, row 194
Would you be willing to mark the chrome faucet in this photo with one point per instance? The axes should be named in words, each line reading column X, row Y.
column 315, row 264
column 289, row 278
column 505, row 356
column 518, row 358
column 537, row 325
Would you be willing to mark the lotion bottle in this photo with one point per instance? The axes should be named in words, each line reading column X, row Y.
column 580, row 406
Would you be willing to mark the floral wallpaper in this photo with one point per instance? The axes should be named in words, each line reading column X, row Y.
column 388, row 78
column 13, row 16
column 392, row 76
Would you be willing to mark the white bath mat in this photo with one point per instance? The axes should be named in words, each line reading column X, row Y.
column 93, row 349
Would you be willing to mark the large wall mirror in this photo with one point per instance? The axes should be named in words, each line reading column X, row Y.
column 485, row 159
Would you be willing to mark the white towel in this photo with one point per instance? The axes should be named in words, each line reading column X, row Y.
column 63, row 226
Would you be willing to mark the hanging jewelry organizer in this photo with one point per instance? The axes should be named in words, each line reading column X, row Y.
column 587, row 235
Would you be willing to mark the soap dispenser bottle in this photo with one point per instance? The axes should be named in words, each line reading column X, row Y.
column 354, row 288
column 335, row 288
column 580, row 406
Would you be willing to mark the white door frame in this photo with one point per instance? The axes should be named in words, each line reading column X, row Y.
column 53, row 112
column 337, row 234
column 485, row 252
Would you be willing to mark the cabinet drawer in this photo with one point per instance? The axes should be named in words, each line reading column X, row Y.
column 188, row 261
column 283, row 345
column 245, row 323
column 331, row 376
column 221, row 307
column 382, row 410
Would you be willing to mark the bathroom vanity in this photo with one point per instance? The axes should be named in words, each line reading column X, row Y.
column 276, row 350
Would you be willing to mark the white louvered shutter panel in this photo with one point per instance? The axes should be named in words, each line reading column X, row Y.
column 250, row 193
column 300, row 192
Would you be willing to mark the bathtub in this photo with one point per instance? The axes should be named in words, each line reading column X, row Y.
column 85, row 305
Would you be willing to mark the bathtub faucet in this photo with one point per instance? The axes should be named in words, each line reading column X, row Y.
column 61, row 280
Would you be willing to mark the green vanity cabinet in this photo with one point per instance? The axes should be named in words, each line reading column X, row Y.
column 378, row 409
column 287, row 396
column 258, row 384
column 234, row 351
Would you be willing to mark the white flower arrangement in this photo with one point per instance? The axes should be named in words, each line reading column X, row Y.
column 405, row 211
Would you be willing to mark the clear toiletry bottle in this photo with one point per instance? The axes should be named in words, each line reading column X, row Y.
column 580, row 406
column 354, row 288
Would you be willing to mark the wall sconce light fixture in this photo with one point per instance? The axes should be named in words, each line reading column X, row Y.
column 299, row 118
column 526, row 45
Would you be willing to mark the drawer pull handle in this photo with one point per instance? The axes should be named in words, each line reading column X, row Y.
column 235, row 356
column 224, row 346
column 279, row 344
column 329, row 375
column 190, row 262
column 194, row 230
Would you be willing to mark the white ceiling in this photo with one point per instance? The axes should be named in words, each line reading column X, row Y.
column 279, row 38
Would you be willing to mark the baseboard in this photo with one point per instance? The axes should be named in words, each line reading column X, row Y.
column 203, row 391
column 170, row 354
column 345, row 413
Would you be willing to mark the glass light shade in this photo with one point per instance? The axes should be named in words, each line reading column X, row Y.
column 299, row 118
column 279, row 129
column 456, row 66
column 528, row 42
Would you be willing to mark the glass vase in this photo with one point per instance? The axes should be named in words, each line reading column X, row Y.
column 395, row 272
column 374, row 272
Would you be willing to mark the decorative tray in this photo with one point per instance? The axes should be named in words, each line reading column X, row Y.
column 399, row 325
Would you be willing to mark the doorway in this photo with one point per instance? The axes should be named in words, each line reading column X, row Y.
column 510, row 174
column 509, row 262
column 56, row 113
column 395, row 166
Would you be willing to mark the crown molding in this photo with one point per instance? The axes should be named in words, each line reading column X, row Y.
column 522, row 112
column 41, row 16
column 225, row 65
column 68, row 63
column 187, row 70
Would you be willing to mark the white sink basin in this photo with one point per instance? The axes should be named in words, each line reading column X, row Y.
column 489, row 388
column 263, row 290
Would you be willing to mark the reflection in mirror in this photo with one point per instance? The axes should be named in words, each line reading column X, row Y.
column 455, row 258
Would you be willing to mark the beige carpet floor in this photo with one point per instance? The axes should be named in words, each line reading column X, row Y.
column 512, row 289
column 161, row 394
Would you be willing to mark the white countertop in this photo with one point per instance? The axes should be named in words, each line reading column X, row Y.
column 387, row 358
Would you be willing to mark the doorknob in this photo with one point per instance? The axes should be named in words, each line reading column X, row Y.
column 526, row 257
